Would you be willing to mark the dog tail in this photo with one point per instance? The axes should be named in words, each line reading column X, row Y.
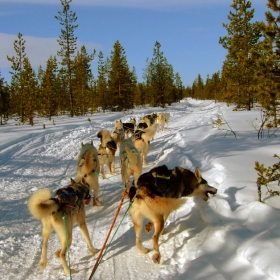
column 158, row 204
column 40, row 205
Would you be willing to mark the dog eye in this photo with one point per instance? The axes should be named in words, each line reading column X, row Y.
column 85, row 175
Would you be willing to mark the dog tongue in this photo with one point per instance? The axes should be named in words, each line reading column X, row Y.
column 87, row 201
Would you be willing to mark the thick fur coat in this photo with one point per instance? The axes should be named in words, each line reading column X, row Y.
column 68, row 203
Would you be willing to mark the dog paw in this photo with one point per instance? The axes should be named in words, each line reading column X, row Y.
column 93, row 250
column 97, row 202
column 148, row 227
column 73, row 271
column 42, row 264
column 156, row 258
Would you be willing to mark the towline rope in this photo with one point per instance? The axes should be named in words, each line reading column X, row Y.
column 108, row 235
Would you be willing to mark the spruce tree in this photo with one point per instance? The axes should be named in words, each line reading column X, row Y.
column 102, row 83
column 82, row 77
column 4, row 101
column 48, row 96
column 68, row 43
column 120, row 79
column 241, row 41
column 17, row 98
column 269, row 64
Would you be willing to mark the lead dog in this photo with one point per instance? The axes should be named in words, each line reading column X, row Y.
column 129, row 127
column 130, row 162
column 162, row 120
column 67, row 202
column 158, row 190
column 88, row 168
column 106, row 152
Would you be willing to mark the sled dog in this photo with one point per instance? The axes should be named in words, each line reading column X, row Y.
column 148, row 205
column 106, row 152
column 176, row 183
column 130, row 162
column 162, row 120
column 118, row 132
column 69, row 203
column 88, row 168
column 142, row 141
column 129, row 127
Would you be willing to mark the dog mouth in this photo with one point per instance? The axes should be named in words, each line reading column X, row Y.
column 211, row 192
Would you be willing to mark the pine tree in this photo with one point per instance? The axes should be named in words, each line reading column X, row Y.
column 242, row 40
column 29, row 88
column 102, row 83
column 17, row 67
column 4, row 101
column 120, row 79
column 68, row 43
column 269, row 64
column 48, row 94
column 82, row 77
column 159, row 78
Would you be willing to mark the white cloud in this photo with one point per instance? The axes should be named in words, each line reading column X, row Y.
column 38, row 50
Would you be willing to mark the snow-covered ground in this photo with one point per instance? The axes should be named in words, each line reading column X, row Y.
column 232, row 236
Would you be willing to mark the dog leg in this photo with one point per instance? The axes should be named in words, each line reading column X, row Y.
column 159, row 224
column 138, row 222
column 102, row 171
column 84, row 230
column 62, row 238
column 46, row 232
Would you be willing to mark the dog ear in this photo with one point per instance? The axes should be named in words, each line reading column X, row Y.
column 197, row 174
column 99, row 134
column 72, row 181
column 81, row 163
column 91, row 142
column 82, row 144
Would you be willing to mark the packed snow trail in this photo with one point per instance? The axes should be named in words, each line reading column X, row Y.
column 201, row 240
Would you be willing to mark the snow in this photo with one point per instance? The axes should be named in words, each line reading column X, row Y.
column 232, row 236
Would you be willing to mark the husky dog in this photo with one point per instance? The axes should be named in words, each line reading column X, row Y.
column 130, row 162
column 69, row 203
column 176, row 183
column 162, row 120
column 118, row 132
column 88, row 168
column 106, row 151
column 129, row 127
column 148, row 205
column 142, row 141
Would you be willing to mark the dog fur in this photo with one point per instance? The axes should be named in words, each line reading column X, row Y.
column 142, row 141
column 176, row 183
column 130, row 162
column 162, row 120
column 148, row 205
column 129, row 127
column 88, row 168
column 68, row 202
column 118, row 132
column 106, row 152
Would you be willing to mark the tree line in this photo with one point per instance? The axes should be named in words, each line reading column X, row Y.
column 250, row 73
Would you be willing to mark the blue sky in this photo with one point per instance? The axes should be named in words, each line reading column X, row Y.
column 188, row 31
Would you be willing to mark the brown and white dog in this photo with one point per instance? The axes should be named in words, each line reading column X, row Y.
column 118, row 132
column 159, row 192
column 130, row 162
column 106, row 152
column 88, row 168
column 142, row 141
column 67, row 204
column 162, row 120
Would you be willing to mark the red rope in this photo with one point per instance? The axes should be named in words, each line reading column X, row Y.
column 104, row 245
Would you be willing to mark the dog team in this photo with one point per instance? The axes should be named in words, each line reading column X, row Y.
column 155, row 194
